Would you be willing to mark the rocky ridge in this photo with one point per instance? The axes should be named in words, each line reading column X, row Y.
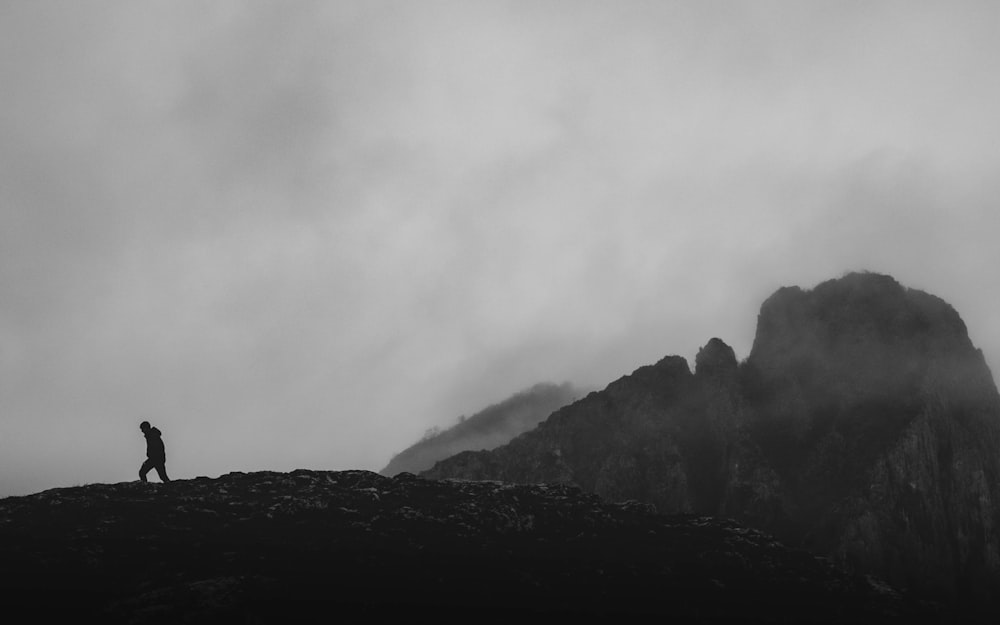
column 489, row 428
column 864, row 426
column 315, row 545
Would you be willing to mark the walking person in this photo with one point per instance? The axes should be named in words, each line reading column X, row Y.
column 156, row 455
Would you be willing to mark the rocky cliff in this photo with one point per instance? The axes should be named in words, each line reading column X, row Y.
column 864, row 426
column 318, row 546
column 489, row 428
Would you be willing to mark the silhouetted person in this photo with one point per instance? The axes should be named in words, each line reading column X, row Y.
column 156, row 455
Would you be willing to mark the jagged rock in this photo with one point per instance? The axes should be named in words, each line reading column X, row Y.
column 659, row 435
column 487, row 429
column 864, row 425
column 883, row 422
column 314, row 545
column 715, row 358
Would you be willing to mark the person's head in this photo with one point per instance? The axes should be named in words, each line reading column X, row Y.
column 144, row 426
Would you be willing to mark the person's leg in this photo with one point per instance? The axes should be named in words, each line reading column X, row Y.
column 144, row 469
column 161, row 470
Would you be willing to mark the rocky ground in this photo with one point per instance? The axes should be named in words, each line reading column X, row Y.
column 312, row 545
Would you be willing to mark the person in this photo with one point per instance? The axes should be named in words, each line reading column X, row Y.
column 156, row 455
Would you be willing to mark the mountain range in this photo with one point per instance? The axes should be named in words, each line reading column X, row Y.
column 864, row 426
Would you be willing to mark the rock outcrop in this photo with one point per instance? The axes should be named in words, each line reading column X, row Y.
column 883, row 422
column 487, row 429
column 864, row 426
column 322, row 546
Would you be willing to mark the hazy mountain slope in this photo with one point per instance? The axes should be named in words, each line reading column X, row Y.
column 318, row 546
column 487, row 429
column 661, row 435
column 883, row 421
column 864, row 425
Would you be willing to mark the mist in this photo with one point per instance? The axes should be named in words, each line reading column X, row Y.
column 301, row 235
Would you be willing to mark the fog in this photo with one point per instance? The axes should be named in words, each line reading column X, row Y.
column 301, row 234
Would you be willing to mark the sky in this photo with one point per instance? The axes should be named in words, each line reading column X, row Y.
column 298, row 235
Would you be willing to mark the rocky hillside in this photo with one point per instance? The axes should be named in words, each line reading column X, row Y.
column 318, row 546
column 864, row 426
column 487, row 429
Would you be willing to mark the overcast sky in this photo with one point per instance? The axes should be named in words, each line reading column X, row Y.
column 300, row 234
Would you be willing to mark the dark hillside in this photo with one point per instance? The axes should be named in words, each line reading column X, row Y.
column 323, row 546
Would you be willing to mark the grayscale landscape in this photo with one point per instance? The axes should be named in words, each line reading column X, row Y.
column 500, row 310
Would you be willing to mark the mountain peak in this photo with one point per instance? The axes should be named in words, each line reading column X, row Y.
column 715, row 358
column 868, row 308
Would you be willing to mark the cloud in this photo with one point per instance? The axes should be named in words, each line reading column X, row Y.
column 302, row 235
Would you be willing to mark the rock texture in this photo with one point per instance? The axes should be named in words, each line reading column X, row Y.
column 322, row 546
column 864, row 426
column 487, row 429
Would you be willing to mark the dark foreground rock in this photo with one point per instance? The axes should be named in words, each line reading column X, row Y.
column 321, row 546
